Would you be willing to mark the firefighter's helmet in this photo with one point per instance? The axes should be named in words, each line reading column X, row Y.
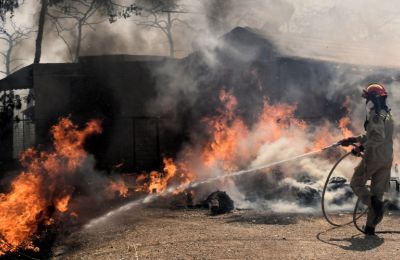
column 374, row 89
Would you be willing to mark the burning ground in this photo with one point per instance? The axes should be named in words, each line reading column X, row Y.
column 60, row 189
column 43, row 188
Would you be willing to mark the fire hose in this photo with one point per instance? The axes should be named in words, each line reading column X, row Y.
column 330, row 221
column 186, row 186
column 356, row 215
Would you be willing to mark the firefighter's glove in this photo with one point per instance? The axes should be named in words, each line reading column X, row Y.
column 348, row 141
column 358, row 151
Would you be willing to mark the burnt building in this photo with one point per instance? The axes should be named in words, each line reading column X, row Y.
column 120, row 90
column 114, row 89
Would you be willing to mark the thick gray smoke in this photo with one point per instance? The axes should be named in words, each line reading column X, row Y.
column 343, row 32
column 333, row 83
column 331, row 29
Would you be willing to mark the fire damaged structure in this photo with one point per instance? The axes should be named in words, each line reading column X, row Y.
column 113, row 89
column 145, row 109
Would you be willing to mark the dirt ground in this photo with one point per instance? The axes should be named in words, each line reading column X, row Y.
column 150, row 233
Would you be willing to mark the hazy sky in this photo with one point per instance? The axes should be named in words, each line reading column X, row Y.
column 357, row 31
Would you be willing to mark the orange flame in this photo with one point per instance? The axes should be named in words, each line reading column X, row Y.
column 118, row 186
column 275, row 122
column 325, row 136
column 19, row 210
column 233, row 143
column 61, row 204
column 158, row 182
column 232, row 146
column 68, row 140
column 226, row 131
column 344, row 122
column 26, row 205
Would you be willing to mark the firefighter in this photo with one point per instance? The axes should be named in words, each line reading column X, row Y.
column 376, row 145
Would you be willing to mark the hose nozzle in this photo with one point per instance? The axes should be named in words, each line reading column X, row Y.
column 332, row 146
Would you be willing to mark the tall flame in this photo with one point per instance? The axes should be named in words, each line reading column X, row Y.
column 37, row 188
column 226, row 131
column 233, row 145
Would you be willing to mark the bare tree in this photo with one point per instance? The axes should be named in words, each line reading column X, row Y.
column 107, row 6
column 165, row 25
column 8, row 6
column 12, row 37
column 80, row 12
column 39, row 36
column 159, row 14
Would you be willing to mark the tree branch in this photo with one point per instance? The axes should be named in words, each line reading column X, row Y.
column 17, row 67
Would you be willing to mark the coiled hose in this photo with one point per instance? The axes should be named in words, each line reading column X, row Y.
column 355, row 215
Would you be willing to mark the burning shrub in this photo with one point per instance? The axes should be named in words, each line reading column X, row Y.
column 44, row 184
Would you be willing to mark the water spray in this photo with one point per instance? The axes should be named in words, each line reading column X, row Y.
column 262, row 167
column 171, row 190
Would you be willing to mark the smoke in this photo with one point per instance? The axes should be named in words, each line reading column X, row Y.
column 188, row 90
column 218, row 15
column 330, row 30
column 293, row 186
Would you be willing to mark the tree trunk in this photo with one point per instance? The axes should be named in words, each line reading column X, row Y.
column 8, row 58
column 170, row 38
column 39, row 37
column 171, row 45
column 78, row 41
